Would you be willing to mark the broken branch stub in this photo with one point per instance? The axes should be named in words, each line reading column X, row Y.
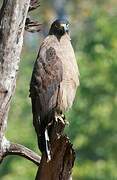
column 62, row 156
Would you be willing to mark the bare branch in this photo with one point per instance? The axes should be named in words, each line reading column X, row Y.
column 34, row 4
column 9, row 148
column 20, row 150
column 32, row 25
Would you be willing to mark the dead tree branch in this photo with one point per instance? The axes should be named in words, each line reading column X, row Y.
column 17, row 149
column 12, row 23
column 62, row 155
column 32, row 25
column 34, row 4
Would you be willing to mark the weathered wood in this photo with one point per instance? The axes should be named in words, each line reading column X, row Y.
column 34, row 4
column 17, row 149
column 12, row 23
column 32, row 25
column 11, row 40
column 62, row 156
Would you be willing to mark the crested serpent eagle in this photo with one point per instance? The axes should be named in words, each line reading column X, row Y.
column 54, row 81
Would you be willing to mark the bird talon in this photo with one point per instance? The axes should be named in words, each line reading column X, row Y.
column 63, row 116
column 56, row 118
column 60, row 118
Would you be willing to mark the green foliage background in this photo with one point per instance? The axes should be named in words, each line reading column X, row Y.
column 93, row 127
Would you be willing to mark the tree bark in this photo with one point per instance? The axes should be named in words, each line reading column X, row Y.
column 12, row 23
column 62, row 156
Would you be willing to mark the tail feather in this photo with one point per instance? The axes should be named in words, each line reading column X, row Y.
column 43, row 138
column 42, row 122
column 47, row 142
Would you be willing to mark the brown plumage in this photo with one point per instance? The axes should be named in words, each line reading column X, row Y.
column 55, row 79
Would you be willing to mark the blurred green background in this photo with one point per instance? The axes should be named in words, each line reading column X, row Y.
column 93, row 127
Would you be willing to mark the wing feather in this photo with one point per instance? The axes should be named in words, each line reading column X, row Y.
column 44, row 88
column 45, row 82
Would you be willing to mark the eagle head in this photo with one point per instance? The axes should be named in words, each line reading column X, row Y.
column 59, row 27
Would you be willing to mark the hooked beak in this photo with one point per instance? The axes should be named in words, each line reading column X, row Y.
column 66, row 27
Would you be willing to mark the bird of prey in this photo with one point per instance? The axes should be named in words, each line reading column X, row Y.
column 54, row 81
